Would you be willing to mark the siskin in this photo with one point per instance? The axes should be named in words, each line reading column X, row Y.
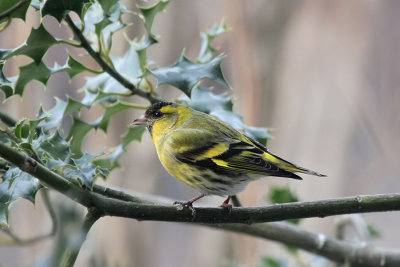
column 208, row 154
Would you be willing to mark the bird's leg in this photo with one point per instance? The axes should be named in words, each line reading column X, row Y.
column 225, row 205
column 189, row 204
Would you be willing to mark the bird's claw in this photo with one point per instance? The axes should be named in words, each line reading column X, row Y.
column 227, row 207
column 188, row 205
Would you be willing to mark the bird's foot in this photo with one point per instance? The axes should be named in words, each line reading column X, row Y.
column 187, row 204
column 225, row 205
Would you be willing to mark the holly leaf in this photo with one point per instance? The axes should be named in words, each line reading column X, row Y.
column 101, row 20
column 54, row 116
column 99, row 97
column 18, row 13
column 128, row 66
column 373, row 231
column 185, row 74
column 132, row 134
column 149, row 13
column 207, row 51
column 108, row 4
column 110, row 162
column 6, row 84
column 74, row 67
column 272, row 262
column 31, row 72
column 236, row 121
column 21, row 130
column 77, row 133
column 111, row 110
column 83, row 170
column 55, row 147
column 281, row 195
column 39, row 41
column 59, row 9
column 16, row 184
column 141, row 49
column 206, row 101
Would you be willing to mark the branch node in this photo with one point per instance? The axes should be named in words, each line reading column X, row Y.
column 28, row 165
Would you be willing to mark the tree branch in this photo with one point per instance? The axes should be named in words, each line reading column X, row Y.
column 236, row 220
column 106, row 67
column 16, row 240
column 146, row 211
column 7, row 119
column 72, row 252
column 333, row 249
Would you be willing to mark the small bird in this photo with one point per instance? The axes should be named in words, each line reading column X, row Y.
column 208, row 154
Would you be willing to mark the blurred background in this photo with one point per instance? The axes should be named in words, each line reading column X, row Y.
column 324, row 75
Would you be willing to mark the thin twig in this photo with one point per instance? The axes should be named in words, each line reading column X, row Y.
column 107, row 68
column 72, row 252
column 16, row 240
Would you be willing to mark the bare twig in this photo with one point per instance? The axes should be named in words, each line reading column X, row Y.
column 16, row 240
column 72, row 252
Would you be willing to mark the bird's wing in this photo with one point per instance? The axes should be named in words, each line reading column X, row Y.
column 225, row 155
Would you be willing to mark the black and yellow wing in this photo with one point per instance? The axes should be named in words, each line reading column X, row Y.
column 226, row 155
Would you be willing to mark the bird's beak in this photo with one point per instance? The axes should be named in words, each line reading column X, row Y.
column 142, row 120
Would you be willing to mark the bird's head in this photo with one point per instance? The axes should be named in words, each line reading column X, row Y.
column 162, row 117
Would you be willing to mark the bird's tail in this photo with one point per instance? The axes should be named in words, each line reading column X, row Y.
column 288, row 166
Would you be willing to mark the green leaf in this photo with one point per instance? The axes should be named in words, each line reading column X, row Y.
column 292, row 250
column 39, row 41
column 20, row 13
column 31, row 72
column 204, row 100
column 61, row 109
column 108, row 4
column 149, row 13
column 37, row 4
column 141, row 49
column 18, row 129
column 59, row 9
column 111, row 161
column 132, row 134
column 77, row 133
column 375, row 233
column 111, row 110
column 105, row 30
column 6, row 84
column 185, row 74
column 128, row 66
column 272, row 262
column 281, row 195
column 16, row 184
column 84, row 170
column 236, row 121
column 74, row 67
column 207, row 51
column 99, row 97
column 56, row 147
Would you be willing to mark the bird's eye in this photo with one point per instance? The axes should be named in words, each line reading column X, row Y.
column 157, row 114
